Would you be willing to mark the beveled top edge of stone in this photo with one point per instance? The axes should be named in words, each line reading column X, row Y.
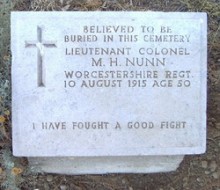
column 113, row 13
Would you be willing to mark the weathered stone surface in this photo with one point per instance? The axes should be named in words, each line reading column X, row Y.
column 102, row 165
column 108, row 87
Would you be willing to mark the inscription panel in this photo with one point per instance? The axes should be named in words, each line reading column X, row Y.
column 108, row 83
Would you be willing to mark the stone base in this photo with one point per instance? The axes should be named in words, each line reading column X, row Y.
column 104, row 165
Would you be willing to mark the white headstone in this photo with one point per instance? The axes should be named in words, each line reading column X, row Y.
column 88, row 84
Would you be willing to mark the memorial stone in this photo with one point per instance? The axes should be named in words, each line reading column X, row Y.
column 119, row 89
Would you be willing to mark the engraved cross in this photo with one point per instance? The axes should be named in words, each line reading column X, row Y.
column 40, row 44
